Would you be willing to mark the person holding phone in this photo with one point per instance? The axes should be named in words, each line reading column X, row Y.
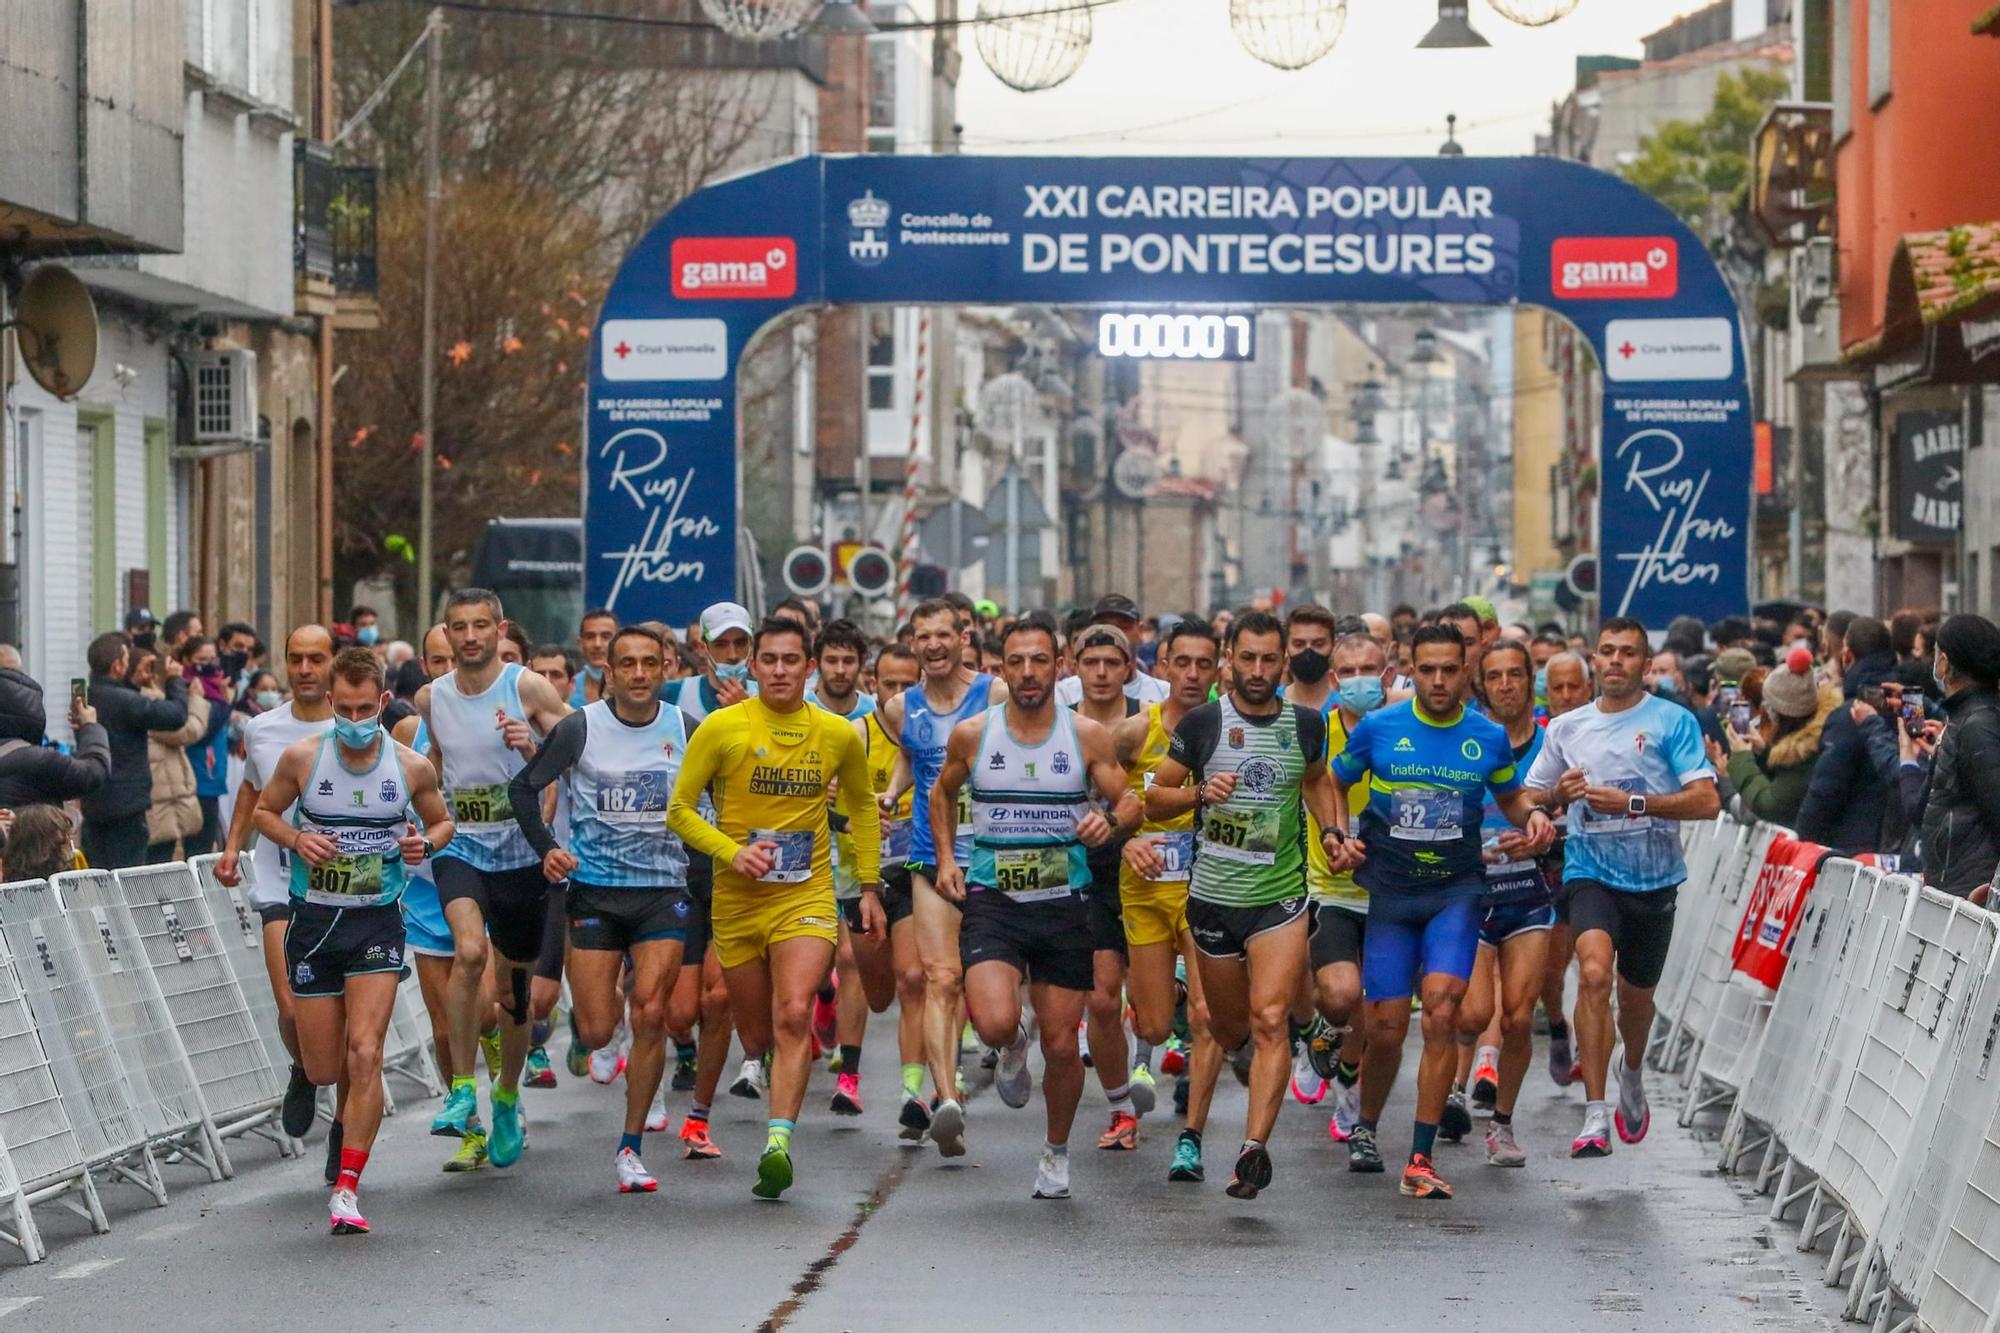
column 1849, row 792
column 32, row 772
column 1771, row 765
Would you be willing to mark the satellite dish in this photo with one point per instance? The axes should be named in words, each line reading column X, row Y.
column 56, row 325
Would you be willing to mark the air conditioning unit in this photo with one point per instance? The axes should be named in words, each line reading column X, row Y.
column 225, row 397
column 1812, row 277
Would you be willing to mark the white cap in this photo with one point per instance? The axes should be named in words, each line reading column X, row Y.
column 719, row 619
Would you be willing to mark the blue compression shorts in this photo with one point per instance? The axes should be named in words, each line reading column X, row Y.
column 1413, row 934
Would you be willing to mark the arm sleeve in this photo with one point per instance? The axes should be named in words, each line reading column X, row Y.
column 1352, row 761
column 1312, row 736
column 857, row 800
column 562, row 749
column 1194, row 739
column 705, row 753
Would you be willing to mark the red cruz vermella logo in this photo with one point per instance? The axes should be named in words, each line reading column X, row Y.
column 734, row 268
column 1615, row 268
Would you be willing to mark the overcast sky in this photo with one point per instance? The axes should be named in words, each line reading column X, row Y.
column 1167, row 77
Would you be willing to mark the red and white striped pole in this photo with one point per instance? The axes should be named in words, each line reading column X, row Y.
column 906, row 540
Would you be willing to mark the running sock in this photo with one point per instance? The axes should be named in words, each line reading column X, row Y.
column 1424, row 1139
column 506, row 1096
column 1558, row 1029
column 1346, row 1073
column 913, row 1078
column 465, row 1081
column 1120, row 1098
column 540, row 1033
column 352, row 1162
column 850, row 1059
column 698, row 1113
column 629, row 1141
column 1142, row 1054
column 1364, row 1123
column 1600, row 1108
column 1059, row 1149
column 1503, row 1117
column 825, row 992
column 779, row 1136
column 683, row 1050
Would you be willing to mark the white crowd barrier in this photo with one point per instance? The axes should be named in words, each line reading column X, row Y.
column 1865, row 1088
column 138, row 1030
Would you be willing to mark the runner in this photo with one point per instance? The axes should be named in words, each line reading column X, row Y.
column 771, row 759
column 1520, row 909
column 1153, row 888
column 593, row 645
column 553, row 663
column 1567, row 687
column 1253, row 758
column 922, row 719
column 1310, row 632
column 1629, row 766
column 899, row 963
column 628, row 878
column 308, row 656
column 1030, row 767
column 1122, row 614
column 481, row 715
column 340, row 806
column 1427, row 762
column 1104, row 665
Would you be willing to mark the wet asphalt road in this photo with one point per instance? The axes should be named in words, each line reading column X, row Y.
column 877, row 1235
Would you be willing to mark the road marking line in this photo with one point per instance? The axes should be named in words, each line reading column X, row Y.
column 86, row 1268
column 10, row 1304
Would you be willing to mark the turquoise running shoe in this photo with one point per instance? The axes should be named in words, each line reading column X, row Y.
column 508, row 1138
column 455, row 1118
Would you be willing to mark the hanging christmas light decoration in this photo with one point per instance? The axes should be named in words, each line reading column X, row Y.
column 1289, row 34
column 760, row 20
column 1533, row 13
column 1032, row 44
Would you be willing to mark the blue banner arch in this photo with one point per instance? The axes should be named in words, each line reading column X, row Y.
column 661, row 484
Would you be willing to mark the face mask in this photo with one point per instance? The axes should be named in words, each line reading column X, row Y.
column 1310, row 666
column 208, row 669
column 1361, row 694
column 269, row 699
column 1542, row 683
column 367, row 635
column 594, row 672
column 356, row 735
column 1664, row 688
column 736, row 671
column 1939, row 666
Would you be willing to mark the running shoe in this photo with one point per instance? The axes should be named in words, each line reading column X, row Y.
column 1011, row 1080
column 333, row 1140
column 1362, row 1154
column 1186, row 1169
column 914, row 1120
column 1346, row 1110
column 301, row 1101
column 509, row 1137
column 633, row 1177
column 988, row 1058
column 1594, row 1140
column 489, row 1046
column 1624, row 1119
column 684, row 1071
column 1123, row 1134
column 948, row 1128
column 1502, row 1149
column 606, row 1064
column 1576, row 1071
column 699, row 1147
column 1145, row 1094
column 657, row 1118
column 847, row 1095
column 1173, row 1058
column 471, row 1154
column 1420, row 1181
column 823, row 1020
column 1308, row 1084
column 749, row 1080
column 1253, row 1173
column 1322, row 1046
column 345, row 1211
column 577, row 1058
column 1239, row 1063
column 456, row 1118
column 1052, row 1174
column 1485, row 1080
column 537, row 1073
column 1562, row 1061
column 774, row 1173
column 1456, row 1122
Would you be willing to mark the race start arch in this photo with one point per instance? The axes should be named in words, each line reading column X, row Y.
column 661, row 484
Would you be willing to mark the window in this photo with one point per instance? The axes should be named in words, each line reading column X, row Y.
column 881, row 357
column 1878, row 52
column 882, row 93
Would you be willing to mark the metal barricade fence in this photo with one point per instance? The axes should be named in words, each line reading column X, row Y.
column 1712, row 936
column 1702, row 845
column 242, row 932
column 1961, row 1289
column 406, row 1049
column 40, row 1155
column 108, row 945
column 97, row 1092
column 1737, row 1005
column 187, row 954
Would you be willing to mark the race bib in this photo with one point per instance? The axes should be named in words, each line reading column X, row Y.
column 1249, row 836
column 1031, row 874
column 1176, row 856
column 791, row 854
column 895, row 841
column 346, row 877
column 633, row 798
column 473, row 807
column 1422, row 815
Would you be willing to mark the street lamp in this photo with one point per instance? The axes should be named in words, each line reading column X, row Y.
column 1453, row 28
column 1451, row 147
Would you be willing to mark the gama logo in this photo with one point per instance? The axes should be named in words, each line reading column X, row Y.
column 734, row 268
column 1615, row 268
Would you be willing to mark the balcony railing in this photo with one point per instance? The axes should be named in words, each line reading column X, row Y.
column 312, row 199
column 352, row 218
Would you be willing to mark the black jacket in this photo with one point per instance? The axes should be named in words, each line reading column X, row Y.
column 1961, row 816
column 32, row 773
column 127, row 716
column 1855, row 776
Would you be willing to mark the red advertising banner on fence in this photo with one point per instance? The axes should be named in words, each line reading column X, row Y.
column 1777, row 900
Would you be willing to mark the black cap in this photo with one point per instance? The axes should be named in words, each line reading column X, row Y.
column 1115, row 604
column 138, row 619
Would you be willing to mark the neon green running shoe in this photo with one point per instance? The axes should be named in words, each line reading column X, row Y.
column 471, row 1154
column 774, row 1173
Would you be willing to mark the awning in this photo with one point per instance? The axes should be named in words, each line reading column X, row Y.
column 1944, row 295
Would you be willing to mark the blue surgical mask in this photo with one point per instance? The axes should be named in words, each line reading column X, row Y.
column 1542, row 683
column 1361, row 694
column 357, row 734
column 736, row 671
column 367, row 635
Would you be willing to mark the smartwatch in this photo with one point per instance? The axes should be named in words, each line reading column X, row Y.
column 1635, row 806
column 1339, row 834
